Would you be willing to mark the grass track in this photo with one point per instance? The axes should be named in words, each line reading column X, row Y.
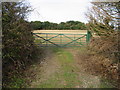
column 66, row 77
column 59, row 70
column 68, row 74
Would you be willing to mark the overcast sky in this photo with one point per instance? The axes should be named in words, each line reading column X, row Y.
column 58, row 10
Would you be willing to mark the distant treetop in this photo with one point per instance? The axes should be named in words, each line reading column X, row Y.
column 69, row 25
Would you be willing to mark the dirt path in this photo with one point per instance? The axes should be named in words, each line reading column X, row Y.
column 60, row 69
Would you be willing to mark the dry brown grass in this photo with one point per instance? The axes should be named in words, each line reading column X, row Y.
column 61, row 31
column 101, row 59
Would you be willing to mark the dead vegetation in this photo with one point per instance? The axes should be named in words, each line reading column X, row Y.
column 102, row 58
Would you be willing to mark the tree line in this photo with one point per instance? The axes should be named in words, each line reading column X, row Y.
column 69, row 25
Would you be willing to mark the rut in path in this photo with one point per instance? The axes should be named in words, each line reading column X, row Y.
column 60, row 69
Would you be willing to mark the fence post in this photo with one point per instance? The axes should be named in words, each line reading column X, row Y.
column 46, row 39
column 88, row 37
column 61, row 39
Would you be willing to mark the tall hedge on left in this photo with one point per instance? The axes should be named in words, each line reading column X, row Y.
column 17, row 41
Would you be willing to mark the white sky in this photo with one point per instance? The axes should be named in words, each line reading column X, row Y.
column 58, row 10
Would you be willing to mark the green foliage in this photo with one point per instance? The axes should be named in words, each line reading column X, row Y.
column 17, row 82
column 18, row 43
column 69, row 25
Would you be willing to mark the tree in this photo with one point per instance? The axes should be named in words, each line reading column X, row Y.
column 36, row 25
column 104, row 17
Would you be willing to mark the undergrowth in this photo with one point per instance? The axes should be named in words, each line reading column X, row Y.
column 99, row 59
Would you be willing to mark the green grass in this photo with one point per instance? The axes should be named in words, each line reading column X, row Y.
column 65, row 78
column 65, row 57
column 37, row 41
column 17, row 82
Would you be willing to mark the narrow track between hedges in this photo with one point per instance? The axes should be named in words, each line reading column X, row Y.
column 60, row 69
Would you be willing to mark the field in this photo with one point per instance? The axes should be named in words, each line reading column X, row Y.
column 61, row 31
column 61, row 37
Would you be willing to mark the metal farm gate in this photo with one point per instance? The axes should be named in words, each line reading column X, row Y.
column 61, row 40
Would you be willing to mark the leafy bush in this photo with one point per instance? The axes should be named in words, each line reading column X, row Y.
column 18, row 47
